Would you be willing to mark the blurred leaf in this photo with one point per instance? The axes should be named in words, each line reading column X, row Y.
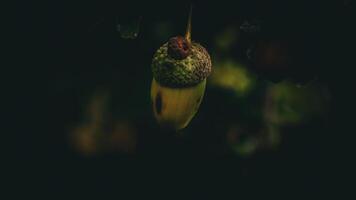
column 231, row 75
column 99, row 132
column 287, row 103
column 241, row 141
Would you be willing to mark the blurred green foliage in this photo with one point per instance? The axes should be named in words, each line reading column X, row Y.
column 245, row 111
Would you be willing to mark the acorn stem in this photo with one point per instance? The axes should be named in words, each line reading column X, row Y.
column 189, row 26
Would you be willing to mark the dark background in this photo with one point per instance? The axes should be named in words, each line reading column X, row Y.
column 63, row 51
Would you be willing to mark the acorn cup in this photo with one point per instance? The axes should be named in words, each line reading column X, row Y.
column 180, row 68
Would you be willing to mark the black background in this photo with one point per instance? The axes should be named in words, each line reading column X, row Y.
column 77, row 42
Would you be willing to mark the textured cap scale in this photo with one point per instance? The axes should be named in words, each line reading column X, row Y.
column 179, row 63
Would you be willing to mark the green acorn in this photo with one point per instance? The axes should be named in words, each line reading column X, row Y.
column 180, row 68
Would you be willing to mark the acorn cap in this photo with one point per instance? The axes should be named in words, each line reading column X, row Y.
column 181, row 63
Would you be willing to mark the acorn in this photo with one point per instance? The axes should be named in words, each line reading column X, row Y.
column 180, row 68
